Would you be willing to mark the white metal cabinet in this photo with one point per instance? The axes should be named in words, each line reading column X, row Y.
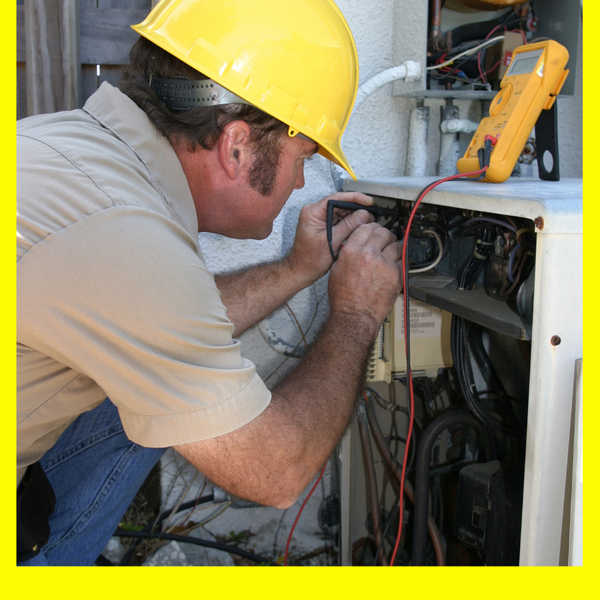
column 556, row 209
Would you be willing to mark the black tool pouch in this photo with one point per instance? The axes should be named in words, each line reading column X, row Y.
column 35, row 504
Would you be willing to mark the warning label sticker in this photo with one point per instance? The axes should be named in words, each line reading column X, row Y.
column 425, row 320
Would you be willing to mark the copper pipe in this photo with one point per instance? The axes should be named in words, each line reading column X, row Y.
column 436, row 18
column 396, row 470
column 367, row 451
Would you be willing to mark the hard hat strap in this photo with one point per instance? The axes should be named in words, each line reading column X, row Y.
column 183, row 94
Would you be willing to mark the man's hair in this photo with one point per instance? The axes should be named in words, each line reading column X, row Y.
column 200, row 126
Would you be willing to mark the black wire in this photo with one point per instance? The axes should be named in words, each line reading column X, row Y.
column 149, row 535
column 385, row 531
column 462, row 363
column 473, row 266
column 164, row 515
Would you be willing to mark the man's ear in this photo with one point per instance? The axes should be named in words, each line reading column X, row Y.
column 234, row 148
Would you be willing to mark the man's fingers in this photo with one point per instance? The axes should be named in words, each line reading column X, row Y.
column 342, row 230
column 319, row 209
column 356, row 197
column 373, row 235
column 393, row 251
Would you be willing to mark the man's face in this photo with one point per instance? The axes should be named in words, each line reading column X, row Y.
column 262, row 199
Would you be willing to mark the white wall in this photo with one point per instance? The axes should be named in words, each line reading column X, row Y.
column 387, row 33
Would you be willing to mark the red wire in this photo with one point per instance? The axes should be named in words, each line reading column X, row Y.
column 522, row 34
column 406, row 334
column 481, row 73
column 287, row 547
column 494, row 67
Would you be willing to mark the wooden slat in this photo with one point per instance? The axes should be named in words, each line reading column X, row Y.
column 105, row 38
column 52, row 55
column 90, row 81
column 21, row 90
column 143, row 4
column 20, row 34
column 106, row 35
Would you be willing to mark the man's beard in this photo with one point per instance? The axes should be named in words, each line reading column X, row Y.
column 263, row 172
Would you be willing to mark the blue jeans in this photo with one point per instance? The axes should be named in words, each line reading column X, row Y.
column 95, row 472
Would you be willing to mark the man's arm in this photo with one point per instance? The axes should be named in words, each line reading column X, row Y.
column 252, row 295
column 274, row 457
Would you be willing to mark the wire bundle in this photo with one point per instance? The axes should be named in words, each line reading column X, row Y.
column 468, row 40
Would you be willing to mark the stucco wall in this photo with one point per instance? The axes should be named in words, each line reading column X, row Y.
column 387, row 33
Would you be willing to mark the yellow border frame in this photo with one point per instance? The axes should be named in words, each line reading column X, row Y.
column 314, row 581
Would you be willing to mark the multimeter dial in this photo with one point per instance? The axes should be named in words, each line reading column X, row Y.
column 501, row 100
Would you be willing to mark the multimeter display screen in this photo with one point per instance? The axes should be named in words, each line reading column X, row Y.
column 524, row 63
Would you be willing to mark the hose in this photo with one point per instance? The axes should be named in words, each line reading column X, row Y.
column 164, row 515
column 483, row 360
column 186, row 539
column 421, row 492
column 462, row 363
column 409, row 70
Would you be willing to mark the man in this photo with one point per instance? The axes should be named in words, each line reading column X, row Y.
column 208, row 131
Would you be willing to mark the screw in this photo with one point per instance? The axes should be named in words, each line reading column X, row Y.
column 555, row 340
column 539, row 223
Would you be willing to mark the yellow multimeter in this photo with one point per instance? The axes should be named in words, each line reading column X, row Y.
column 533, row 80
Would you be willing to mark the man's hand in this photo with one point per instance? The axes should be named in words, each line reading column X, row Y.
column 310, row 257
column 365, row 280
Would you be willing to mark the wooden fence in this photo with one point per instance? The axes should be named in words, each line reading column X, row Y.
column 67, row 48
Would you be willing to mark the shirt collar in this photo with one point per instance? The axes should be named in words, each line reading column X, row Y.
column 115, row 111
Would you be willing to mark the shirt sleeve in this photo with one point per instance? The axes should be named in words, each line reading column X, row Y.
column 123, row 296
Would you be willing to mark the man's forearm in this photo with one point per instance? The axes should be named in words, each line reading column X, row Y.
column 321, row 392
column 274, row 457
column 250, row 296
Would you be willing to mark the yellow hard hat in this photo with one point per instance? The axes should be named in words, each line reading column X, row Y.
column 294, row 59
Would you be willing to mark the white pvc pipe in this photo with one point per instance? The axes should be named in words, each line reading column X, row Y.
column 407, row 71
column 458, row 126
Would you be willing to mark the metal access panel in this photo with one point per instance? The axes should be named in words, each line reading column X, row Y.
column 560, row 20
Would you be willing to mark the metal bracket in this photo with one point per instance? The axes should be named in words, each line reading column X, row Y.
column 546, row 140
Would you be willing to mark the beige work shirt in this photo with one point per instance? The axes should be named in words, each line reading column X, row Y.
column 113, row 296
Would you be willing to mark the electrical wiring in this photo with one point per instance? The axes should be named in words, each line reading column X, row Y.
column 164, row 515
column 440, row 253
column 287, row 547
column 511, row 259
column 369, row 465
column 522, row 35
column 385, row 404
column 396, row 479
column 467, row 52
column 422, row 516
column 473, row 266
column 390, row 520
column 505, row 290
column 511, row 262
column 405, row 287
column 318, row 301
column 462, row 362
column 499, row 222
column 185, row 539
